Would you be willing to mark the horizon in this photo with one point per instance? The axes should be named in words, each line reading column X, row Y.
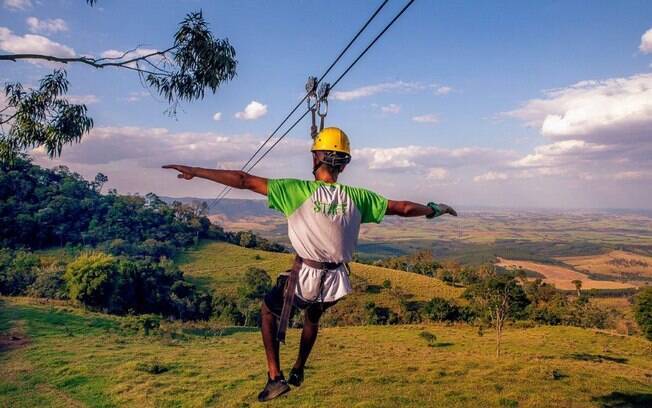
column 530, row 108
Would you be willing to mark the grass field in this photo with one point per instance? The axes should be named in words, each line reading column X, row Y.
column 74, row 358
column 220, row 266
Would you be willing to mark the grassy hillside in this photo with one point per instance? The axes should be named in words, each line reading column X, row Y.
column 59, row 356
column 220, row 266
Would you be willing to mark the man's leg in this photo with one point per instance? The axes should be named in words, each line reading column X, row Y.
column 308, row 335
column 268, row 330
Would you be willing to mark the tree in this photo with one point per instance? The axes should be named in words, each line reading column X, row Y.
column 497, row 298
column 90, row 278
column 578, row 287
column 195, row 62
column 99, row 181
column 643, row 311
column 440, row 309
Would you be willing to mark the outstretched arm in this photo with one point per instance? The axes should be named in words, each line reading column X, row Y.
column 232, row 178
column 410, row 209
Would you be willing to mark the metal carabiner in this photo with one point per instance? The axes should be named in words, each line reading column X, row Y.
column 322, row 115
column 313, row 103
column 322, row 96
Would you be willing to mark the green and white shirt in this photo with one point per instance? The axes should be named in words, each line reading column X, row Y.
column 323, row 225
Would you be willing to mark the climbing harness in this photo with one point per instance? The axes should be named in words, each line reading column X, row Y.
column 291, row 287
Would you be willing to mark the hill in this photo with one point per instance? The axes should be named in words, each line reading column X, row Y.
column 220, row 266
column 60, row 356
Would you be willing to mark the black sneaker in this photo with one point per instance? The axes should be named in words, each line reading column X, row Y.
column 274, row 388
column 296, row 377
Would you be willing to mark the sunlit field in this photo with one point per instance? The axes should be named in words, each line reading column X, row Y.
column 76, row 358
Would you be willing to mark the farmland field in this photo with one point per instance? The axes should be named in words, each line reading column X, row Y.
column 617, row 265
column 560, row 276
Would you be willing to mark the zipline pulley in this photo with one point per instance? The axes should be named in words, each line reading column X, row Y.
column 317, row 104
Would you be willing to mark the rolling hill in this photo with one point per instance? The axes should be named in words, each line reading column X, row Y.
column 221, row 266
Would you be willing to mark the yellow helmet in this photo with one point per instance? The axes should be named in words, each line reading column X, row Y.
column 331, row 139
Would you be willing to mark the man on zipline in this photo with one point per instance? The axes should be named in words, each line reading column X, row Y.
column 324, row 220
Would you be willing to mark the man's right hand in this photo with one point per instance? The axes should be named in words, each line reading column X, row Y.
column 187, row 172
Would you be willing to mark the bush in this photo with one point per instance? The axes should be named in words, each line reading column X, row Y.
column 256, row 283
column 439, row 309
column 225, row 309
column 91, row 278
column 120, row 285
column 17, row 271
column 643, row 311
column 429, row 337
column 49, row 282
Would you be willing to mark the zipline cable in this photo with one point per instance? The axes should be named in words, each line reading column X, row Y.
column 339, row 78
column 342, row 75
column 328, row 70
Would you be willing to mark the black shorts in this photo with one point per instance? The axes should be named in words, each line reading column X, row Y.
column 274, row 300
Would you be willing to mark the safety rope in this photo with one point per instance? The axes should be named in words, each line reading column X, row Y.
column 342, row 75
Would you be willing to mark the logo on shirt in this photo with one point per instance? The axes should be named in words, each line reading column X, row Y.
column 329, row 209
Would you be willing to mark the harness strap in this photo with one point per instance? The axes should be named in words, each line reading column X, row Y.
column 290, row 289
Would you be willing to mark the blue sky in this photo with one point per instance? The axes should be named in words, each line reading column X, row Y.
column 454, row 103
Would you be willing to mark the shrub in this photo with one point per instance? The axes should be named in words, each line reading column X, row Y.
column 256, row 283
column 49, row 282
column 226, row 310
column 17, row 271
column 119, row 285
column 643, row 311
column 439, row 309
column 91, row 278
column 429, row 337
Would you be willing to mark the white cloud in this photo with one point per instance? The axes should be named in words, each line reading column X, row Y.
column 646, row 42
column 118, row 56
column 490, row 176
column 32, row 44
column 82, row 99
column 425, row 158
column 437, row 174
column 369, row 90
column 391, row 108
column 254, row 110
column 384, row 87
column 135, row 96
column 600, row 131
column 49, row 26
column 428, row 118
column 559, row 153
column 601, row 110
column 217, row 116
column 17, row 4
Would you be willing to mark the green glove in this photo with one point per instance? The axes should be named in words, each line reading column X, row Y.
column 440, row 209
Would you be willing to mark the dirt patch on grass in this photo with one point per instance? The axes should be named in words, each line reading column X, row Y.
column 14, row 338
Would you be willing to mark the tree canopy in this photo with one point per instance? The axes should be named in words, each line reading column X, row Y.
column 195, row 62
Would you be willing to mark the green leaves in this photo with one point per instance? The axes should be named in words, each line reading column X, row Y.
column 197, row 61
column 41, row 118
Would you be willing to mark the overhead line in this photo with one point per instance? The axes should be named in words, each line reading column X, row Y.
column 328, row 70
column 346, row 71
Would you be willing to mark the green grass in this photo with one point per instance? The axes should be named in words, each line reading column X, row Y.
column 95, row 364
column 220, row 266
